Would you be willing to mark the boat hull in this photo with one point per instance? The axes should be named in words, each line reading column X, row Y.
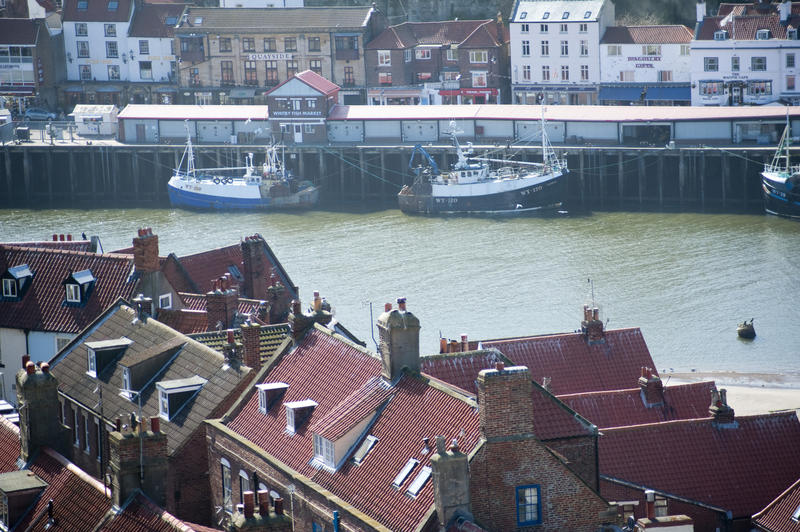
column 183, row 193
column 780, row 197
column 542, row 194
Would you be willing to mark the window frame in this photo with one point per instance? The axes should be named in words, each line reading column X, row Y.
column 735, row 63
column 545, row 49
column 584, row 72
column 228, row 45
column 76, row 428
column 244, row 484
column 290, row 44
column 614, row 50
column 710, row 64
column 85, row 72
column 143, row 70
column 422, row 54
column 324, row 451
column 525, row 48
column 526, row 503
column 81, row 29
column 98, row 439
column 87, row 446
column 760, row 62
column 314, row 44
column 73, row 293
column 10, row 288
column 790, row 63
column 227, row 489
column 384, row 58
column 82, row 49
column 113, row 73
column 109, row 30
column 565, row 48
column 112, row 50
column 144, row 47
column 479, row 56
column 248, row 44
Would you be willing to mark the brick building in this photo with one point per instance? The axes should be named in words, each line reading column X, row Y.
column 238, row 55
column 449, row 62
column 342, row 433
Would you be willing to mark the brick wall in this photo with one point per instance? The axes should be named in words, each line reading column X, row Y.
column 145, row 251
column 581, row 452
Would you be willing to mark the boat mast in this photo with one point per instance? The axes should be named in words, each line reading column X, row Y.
column 787, row 132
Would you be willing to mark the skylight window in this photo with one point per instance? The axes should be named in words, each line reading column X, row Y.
column 269, row 393
column 565, row 15
column 171, row 21
column 403, row 474
column 83, row 5
column 198, row 20
column 364, row 449
column 113, row 5
column 419, row 482
column 546, row 15
column 523, row 15
column 796, row 515
column 587, row 14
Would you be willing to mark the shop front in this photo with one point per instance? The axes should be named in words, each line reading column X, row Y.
column 469, row 96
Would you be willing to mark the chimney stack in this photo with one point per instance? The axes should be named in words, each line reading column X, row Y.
column 256, row 270
column 650, row 497
column 249, row 504
column 451, row 492
column 299, row 323
column 652, row 388
column 37, row 400
column 126, row 446
column 251, row 345
column 221, row 304
column 398, row 332
column 785, row 10
column 722, row 414
column 701, row 11
column 145, row 251
column 278, row 299
column 592, row 325
column 504, row 396
column 143, row 306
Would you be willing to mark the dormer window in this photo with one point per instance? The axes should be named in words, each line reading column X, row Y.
column 101, row 354
column 588, row 14
column 79, row 287
column 720, row 35
column 18, row 491
column 762, row 35
column 16, row 280
column 324, row 451
column 791, row 35
column 269, row 393
column 113, row 5
column 126, row 383
column 546, row 15
column 175, row 394
column 565, row 15
column 297, row 412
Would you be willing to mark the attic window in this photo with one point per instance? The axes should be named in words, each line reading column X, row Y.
column 15, row 281
column 18, row 491
column 297, row 412
column 403, row 474
column 363, row 449
column 324, row 451
column 523, row 15
column 9, row 288
column 269, row 393
column 165, row 301
column 113, row 5
column 588, row 14
column 173, row 395
column 419, row 482
column 762, row 35
column 79, row 286
column 720, row 35
column 171, row 21
column 126, row 383
column 100, row 354
column 546, row 15
column 565, row 15
column 198, row 20
column 83, row 5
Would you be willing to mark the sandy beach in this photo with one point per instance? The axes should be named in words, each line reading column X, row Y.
column 748, row 393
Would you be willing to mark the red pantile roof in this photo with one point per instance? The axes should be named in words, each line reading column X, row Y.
column 753, row 8
column 194, row 273
column 470, row 33
column 575, row 366
column 329, row 370
column 666, row 34
column 150, row 19
column 184, row 321
column 43, row 308
column 739, row 469
column 17, row 31
column 744, row 27
column 317, row 82
column 140, row 514
column 97, row 11
column 620, row 408
column 778, row 515
column 355, row 408
column 71, row 245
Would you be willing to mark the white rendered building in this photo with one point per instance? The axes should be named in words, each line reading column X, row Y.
column 555, row 50
column 645, row 64
column 746, row 55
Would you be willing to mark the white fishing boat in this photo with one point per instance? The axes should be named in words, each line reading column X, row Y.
column 780, row 181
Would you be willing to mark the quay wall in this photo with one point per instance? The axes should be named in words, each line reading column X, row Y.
column 108, row 174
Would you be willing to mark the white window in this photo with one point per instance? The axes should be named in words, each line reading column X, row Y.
column 525, row 28
column 563, row 28
column 385, row 78
column 478, row 56
column 91, row 362
column 163, row 404
column 789, row 60
column 735, row 63
column 384, row 58
column 626, row 75
column 81, row 29
column 165, row 301
column 110, row 30
column 565, row 15
column 422, row 54
column 75, row 429
column 526, row 48
column 685, row 49
column 297, row 412
column 543, row 27
column 144, row 47
column 545, row 73
column 308, row 128
column 564, row 73
column 86, row 446
column 244, row 484
column 452, row 54
column 588, row 14
column 479, row 78
column 584, row 48
column 126, row 381
column 584, row 72
column 407, row 55
column 545, row 48
column 364, row 449
column 526, row 72
column 113, row 72
column 227, row 492
column 111, row 49
column 711, row 64
column 324, row 451
column 73, row 293
column 720, row 35
column 758, row 64
column 9, row 288
column 665, row 75
column 564, row 48
column 583, row 27
column 98, row 439
column 62, row 342
column 711, row 88
column 615, row 49
column 651, row 49
column 762, row 35
column 146, row 69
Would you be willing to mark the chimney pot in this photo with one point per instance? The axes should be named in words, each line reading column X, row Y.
column 263, row 503
column 387, row 307
column 249, row 504
column 61, row 237
column 30, row 368
column 279, row 506
column 45, row 367
column 69, row 238
column 650, row 495
column 155, row 424
column 118, row 424
column 401, row 304
column 454, row 446
column 230, row 337
column 499, row 366
column 55, row 238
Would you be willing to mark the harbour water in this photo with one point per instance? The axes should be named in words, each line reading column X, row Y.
column 685, row 279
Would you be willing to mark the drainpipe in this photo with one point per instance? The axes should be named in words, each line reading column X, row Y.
column 336, row 521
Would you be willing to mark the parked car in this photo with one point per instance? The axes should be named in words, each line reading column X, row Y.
column 38, row 113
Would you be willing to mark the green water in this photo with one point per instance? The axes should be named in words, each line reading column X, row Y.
column 685, row 279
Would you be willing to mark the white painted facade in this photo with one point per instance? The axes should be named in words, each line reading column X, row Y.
column 14, row 343
column 555, row 50
column 645, row 63
column 739, row 72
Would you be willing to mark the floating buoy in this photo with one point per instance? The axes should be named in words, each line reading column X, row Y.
column 746, row 330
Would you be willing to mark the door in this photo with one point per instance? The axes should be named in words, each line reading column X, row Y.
column 140, row 133
column 736, row 95
column 298, row 133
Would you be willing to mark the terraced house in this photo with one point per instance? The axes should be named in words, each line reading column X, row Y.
column 238, row 55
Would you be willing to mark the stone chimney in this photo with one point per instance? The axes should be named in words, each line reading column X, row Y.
column 143, row 306
column 256, row 269
column 132, row 469
column 700, row 10
column 504, row 396
column 145, row 251
column 398, row 332
column 37, row 399
column 451, row 495
column 299, row 323
column 277, row 296
column 722, row 414
column 251, row 345
column 592, row 325
column 232, row 349
column 652, row 388
column 221, row 304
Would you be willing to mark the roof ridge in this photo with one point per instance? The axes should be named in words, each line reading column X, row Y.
column 777, row 499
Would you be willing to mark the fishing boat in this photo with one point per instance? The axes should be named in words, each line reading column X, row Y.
column 780, row 181
column 480, row 185
column 269, row 186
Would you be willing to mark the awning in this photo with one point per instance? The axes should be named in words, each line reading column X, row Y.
column 629, row 94
column 108, row 88
column 242, row 93
column 669, row 93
